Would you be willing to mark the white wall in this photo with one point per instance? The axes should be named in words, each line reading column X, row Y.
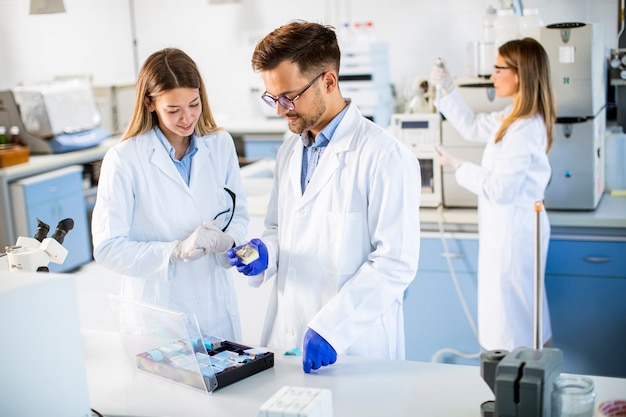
column 94, row 36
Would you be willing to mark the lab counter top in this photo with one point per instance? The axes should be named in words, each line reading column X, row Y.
column 44, row 163
column 360, row 387
column 607, row 220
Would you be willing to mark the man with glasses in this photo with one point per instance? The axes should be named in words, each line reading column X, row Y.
column 342, row 234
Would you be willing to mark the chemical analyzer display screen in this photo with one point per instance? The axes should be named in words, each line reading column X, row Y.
column 415, row 124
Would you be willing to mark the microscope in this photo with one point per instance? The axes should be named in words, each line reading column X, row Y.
column 522, row 380
column 33, row 254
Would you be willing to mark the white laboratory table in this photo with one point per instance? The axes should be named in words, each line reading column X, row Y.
column 360, row 387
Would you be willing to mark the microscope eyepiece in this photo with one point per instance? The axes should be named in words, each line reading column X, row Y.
column 42, row 230
column 63, row 227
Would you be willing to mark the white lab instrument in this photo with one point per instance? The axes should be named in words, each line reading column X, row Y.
column 33, row 254
column 578, row 79
column 365, row 78
column 54, row 118
column 421, row 132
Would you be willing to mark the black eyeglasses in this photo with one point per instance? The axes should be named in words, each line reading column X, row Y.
column 500, row 68
column 286, row 102
column 227, row 211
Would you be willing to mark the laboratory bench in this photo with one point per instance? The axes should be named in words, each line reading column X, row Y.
column 360, row 387
column 91, row 365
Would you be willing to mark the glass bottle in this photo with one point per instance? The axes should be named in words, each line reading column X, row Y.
column 489, row 22
column 530, row 24
column 573, row 396
column 14, row 136
column 3, row 135
column 506, row 27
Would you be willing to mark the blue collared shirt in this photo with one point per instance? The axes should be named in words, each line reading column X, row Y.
column 184, row 165
column 314, row 148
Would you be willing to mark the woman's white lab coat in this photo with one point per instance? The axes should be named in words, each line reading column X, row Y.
column 513, row 175
column 143, row 207
column 348, row 247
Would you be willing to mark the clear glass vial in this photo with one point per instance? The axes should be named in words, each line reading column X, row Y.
column 573, row 396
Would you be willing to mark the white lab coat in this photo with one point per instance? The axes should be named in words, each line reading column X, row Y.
column 143, row 207
column 349, row 247
column 513, row 175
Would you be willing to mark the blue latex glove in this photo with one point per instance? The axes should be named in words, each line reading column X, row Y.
column 254, row 267
column 317, row 352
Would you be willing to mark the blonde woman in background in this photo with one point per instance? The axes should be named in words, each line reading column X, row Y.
column 512, row 176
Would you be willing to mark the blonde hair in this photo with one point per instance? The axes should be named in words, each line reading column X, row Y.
column 165, row 70
column 529, row 60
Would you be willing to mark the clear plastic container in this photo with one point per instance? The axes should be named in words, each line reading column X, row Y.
column 530, row 24
column 489, row 24
column 506, row 27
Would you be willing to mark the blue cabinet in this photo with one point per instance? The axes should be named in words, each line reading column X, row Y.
column 586, row 289
column 585, row 286
column 435, row 320
column 52, row 197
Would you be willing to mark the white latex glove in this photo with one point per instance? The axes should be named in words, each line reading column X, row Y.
column 446, row 159
column 440, row 77
column 206, row 239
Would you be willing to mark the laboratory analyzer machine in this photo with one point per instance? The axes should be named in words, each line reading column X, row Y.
column 421, row 132
column 577, row 67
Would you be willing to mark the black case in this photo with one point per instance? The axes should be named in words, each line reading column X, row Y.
column 167, row 368
column 229, row 376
